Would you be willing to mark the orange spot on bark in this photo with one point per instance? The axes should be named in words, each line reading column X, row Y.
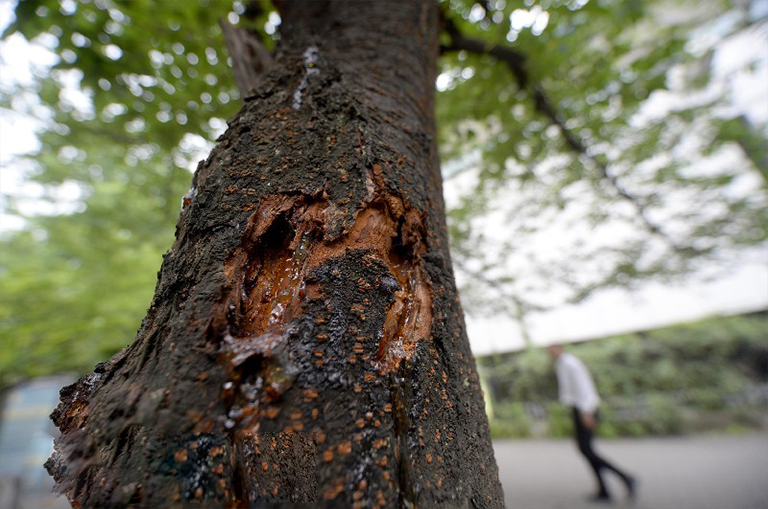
column 345, row 447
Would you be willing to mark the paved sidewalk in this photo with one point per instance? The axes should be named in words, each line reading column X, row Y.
column 704, row 472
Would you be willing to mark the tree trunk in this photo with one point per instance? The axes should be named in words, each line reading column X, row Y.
column 305, row 343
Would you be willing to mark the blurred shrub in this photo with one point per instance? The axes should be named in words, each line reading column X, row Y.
column 710, row 375
column 706, row 398
column 665, row 417
column 608, row 426
column 506, row 429
column 560, row 421
column 511, row 421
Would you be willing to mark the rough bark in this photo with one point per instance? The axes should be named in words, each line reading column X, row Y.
column 305, row 343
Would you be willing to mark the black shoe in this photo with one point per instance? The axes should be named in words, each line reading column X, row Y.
column 631, row 483
column 599, row 498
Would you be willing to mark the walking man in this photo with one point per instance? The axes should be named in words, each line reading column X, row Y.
column 577, row 390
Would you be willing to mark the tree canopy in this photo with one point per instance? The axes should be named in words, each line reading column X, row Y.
column 585, row 144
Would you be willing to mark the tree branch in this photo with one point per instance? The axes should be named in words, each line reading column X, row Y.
column 250, row 58
column 521, row 308
column 515, row 61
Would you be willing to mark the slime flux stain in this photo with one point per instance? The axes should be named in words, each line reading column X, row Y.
column 402, row 323
column 310, row 68
column 276, row 285
column 269, row 289
column 282, row 244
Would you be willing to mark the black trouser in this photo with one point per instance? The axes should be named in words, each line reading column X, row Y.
column 584, row 439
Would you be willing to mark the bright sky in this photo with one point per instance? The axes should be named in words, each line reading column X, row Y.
column 619, row 311
column 608, row 312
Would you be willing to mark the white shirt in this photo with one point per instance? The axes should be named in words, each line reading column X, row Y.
column 575, row 384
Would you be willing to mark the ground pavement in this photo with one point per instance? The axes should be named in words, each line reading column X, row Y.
column 700, row 472
column 703, row 472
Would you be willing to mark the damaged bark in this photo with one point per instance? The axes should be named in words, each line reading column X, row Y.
column 305, row 343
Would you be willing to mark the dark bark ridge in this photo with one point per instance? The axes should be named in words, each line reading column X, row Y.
column 305, row 343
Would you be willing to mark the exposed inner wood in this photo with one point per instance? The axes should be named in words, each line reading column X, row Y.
column 283, row 244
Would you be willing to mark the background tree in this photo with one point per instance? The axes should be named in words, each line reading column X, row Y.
column 601, row 122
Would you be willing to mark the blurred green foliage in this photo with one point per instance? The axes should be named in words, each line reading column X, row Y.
column 512, row 421
column 514, row 178
column 154, row 85
column 707, row 375
column 139, row 89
